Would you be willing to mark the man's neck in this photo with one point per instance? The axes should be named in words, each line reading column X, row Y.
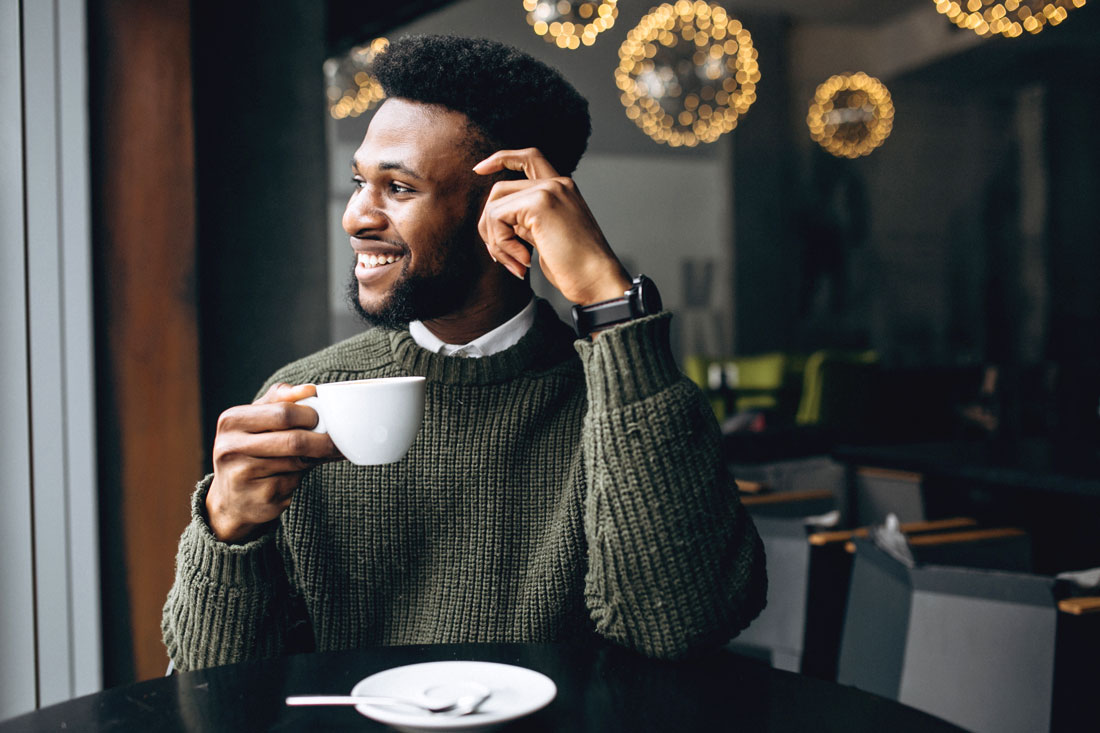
column 492, row 302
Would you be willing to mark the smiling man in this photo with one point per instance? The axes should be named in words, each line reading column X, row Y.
column 562, row 484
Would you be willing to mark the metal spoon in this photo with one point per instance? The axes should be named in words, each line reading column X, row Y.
column 462, row 705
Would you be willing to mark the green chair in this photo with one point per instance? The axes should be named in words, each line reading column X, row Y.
column 831, row 380
column 758, row 382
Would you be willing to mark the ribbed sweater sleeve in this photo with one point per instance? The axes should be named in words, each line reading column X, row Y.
column 228, row 602
column 675, row 563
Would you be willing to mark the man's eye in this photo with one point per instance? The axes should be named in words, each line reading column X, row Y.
column 358, row 183
column 398, row 188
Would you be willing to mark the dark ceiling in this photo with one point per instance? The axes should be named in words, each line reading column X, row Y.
column 352, row 21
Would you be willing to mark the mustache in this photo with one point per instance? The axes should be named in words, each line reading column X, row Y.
column 391, row 240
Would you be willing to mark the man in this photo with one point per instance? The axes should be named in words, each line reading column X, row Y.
column 558, row 486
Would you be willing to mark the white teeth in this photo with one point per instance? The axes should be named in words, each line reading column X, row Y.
column 369, row 260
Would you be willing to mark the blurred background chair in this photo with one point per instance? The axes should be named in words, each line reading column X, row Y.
column 782, row 518
column 835, row 388
column 808, row 574
column 964, row 632
column 768, row 383
column 1076, row 672
column 877, row 493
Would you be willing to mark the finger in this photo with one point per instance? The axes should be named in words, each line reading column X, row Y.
column 283, row 392
column 504, row 247
column 266, row 417
column 503, row 189
column 510, row 220
column 278, row 444
column 505, row 258
column 529, row 160
column 503, row 244
column 508, row 262
column 267, row 467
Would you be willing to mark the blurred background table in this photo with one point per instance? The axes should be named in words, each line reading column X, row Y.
column 600, row 688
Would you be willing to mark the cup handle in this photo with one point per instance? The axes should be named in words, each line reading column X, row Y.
column 315, row 403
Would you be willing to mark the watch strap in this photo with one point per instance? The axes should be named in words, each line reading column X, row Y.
column 632, row 304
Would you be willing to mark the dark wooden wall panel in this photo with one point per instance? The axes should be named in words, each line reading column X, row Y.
column 146, row 315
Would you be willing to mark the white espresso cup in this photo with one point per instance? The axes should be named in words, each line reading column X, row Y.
column 371, row 421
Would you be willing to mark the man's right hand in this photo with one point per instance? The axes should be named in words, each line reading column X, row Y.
column 260, row 453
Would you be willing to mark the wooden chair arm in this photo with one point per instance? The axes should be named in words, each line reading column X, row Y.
column 844, row 535
column 890, row 474
column 1080, row 606
column 751, row 487
column 781, row 497
column 974, row 535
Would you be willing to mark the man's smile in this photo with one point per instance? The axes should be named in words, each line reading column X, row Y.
column 373, row 257
column 370, row 260
column 372, row 268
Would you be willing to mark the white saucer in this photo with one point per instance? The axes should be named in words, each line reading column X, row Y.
column 516, row 691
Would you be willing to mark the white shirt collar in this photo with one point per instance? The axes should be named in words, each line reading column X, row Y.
column 500, row 338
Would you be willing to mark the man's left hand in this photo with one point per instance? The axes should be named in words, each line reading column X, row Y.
column 547, row 212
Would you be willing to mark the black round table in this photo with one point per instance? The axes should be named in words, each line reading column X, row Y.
column 600, row 689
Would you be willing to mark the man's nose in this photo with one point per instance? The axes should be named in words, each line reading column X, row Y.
column 361, row 216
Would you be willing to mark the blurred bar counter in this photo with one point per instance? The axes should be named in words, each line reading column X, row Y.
column 1030, row 464
column 1049, row 487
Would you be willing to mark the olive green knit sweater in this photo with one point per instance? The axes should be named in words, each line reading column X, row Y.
column 544, row 498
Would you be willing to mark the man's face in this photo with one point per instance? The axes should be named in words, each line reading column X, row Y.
column 413, row 215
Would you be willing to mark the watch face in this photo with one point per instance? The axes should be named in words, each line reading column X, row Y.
column 648, row 296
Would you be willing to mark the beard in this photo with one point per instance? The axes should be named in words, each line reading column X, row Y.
column 422, row 297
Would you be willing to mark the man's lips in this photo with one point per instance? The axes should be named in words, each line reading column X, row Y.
column 376, row 247
column 371, row 254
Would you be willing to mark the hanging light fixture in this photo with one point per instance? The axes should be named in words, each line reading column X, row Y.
column 351, row 90
column 1010, row 18
column 569, row 23
column 851, row 115
column 687, row 72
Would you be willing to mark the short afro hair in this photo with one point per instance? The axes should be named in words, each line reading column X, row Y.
column 513, row 99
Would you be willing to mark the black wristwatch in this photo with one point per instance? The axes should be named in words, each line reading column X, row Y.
column 641, row 300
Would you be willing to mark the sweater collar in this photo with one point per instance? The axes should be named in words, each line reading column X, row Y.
column 547, row 343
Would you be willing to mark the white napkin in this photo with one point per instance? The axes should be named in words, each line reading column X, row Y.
column 1085, row 579
column 890, row 539
column 828, row 519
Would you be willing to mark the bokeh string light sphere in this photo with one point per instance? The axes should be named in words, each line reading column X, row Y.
column 687, row 72
column 1010, row 18
column 570, row 23
column 851, row 115
column 351, row 90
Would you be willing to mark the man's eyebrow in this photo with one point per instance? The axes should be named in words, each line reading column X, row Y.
column 391, row 166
